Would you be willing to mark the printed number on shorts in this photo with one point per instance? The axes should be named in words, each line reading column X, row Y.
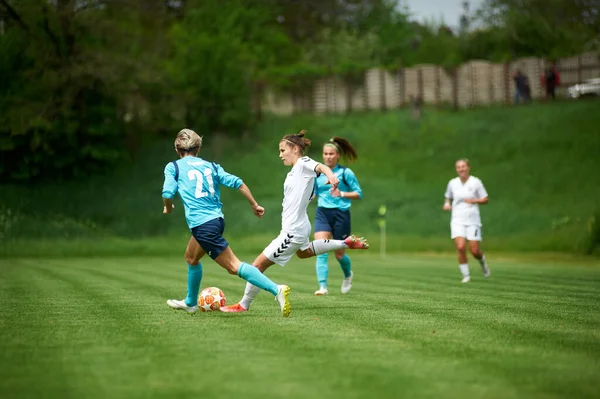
column 196, row 175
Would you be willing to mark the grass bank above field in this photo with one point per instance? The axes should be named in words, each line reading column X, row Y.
column 540, row 164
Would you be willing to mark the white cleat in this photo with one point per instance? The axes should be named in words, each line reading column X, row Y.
column 321, row 291
column 181, row 305
column 283, row 297
column 466, row 279
column 347, row 284
column 486, row 270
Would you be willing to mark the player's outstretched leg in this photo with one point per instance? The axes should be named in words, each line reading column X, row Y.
column 318, row 247
column 190, row 303
column 354, row 242
column 257, row 280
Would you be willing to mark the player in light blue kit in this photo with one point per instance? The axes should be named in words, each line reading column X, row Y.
column 333, row 210
column 198, row 183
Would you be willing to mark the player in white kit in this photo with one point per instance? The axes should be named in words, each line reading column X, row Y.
column 298, row 191
column 464, row 194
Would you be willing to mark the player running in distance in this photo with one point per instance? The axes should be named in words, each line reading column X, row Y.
column 294, row 238
column 333, row 211
column 198, row 183
column 464, row 194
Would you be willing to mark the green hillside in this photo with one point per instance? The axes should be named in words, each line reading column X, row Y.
column 539, row 163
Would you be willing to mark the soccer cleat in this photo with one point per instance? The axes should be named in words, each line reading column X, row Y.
column 466, row 279
column 283, row 297
column 233, row 308
column 321, row 291
column 181, row 305
column 347, row 284
column 354, row 242
column 486, row 270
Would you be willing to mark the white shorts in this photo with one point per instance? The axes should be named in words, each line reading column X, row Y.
column 471, row 232
column 281, row 249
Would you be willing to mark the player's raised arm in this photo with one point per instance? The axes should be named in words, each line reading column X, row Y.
column 326, row 170
column 229, row 180
column 257, row 209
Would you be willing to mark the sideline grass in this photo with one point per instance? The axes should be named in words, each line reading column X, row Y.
column 99, row 327
column 538, row 163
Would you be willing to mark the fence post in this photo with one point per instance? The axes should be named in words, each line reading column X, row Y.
column 401, row 86
column 365, row 96
column 420, row 84
column 349, row 92
column 454, row 73
column 382, row 88
column 438, row 84
column 491, row 86
column 506, row 84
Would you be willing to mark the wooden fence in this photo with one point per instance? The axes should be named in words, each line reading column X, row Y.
column 477, row 83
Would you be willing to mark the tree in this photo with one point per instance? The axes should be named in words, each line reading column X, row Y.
column 547, row 28
column 219, row 49
column 60, row 113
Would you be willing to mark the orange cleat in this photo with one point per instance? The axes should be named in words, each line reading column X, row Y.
column 233, row 308
column 354, row 242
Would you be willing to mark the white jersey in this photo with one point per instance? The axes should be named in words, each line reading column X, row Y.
column 298, row 190
column 463, row 213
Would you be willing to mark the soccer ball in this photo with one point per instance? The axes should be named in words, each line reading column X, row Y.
column 210, row 299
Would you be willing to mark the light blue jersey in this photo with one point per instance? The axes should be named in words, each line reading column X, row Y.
column 198, row 183
column 348, row 183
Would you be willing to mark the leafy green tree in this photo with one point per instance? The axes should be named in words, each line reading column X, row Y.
column 219, row 49
column 547, row 28
column 59, row 116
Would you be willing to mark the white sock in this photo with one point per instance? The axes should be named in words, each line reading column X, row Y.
column 464, row 269
column 249, row 295
column 322, row 246
column 482, row 260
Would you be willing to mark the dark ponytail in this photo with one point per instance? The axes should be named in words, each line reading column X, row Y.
column 344, row 148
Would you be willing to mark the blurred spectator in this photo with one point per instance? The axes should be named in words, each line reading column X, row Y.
column 551, row 79
column 522, row 89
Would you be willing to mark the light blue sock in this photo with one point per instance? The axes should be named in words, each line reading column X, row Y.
column 252, row 275
column 346, row 265
column 194, row 279
column 322, row 269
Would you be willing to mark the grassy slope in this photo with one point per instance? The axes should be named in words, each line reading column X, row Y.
column 101, row 328
column 539, row 163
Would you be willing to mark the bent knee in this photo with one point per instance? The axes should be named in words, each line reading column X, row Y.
column 339, row 253
column 191, row 259
column 475, row 252
column 304, row 254
column 232, row 267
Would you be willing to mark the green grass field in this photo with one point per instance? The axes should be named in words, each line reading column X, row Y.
column 99, row 327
